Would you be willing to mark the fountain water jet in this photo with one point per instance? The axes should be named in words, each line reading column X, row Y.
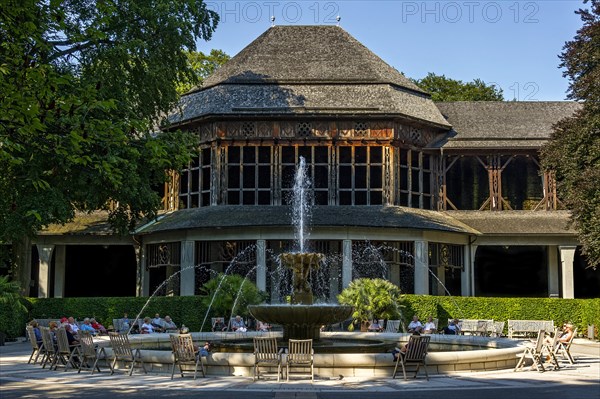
column 302, row 319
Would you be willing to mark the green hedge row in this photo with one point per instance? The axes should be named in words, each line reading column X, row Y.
column 190, row 311
column 186, row 310
column 580, row 312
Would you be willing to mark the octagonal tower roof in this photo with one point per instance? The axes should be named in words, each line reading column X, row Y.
column 308, row 70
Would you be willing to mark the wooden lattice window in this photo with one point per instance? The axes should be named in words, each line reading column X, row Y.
column 360, row 175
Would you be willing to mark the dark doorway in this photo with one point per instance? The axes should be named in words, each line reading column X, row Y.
column 100, row 270
column 587, row 280
column 519, row 271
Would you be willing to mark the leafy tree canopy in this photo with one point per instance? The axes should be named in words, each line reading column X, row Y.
column 574, row 148
column 202, row 65
column 442, row 88
column 83, row 84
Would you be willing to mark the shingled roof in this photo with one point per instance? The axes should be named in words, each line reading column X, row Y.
column 307, row 54
column 498, row 125
column 517, row 223
column 323, row 216
column 308, row 70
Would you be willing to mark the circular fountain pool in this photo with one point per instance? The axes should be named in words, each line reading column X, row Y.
column 481, row 354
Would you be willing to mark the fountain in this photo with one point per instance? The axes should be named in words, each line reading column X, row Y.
column 301, row 319
column 336, row 353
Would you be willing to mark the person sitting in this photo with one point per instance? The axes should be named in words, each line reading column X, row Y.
column 564, row 336
column 415, row 325
column 97, row 326
column 86, row 326
column 567, row 333
column 168, row 324
column 157, row 323
column 262, row 326
column 429, row 327
column 73, row 324
column 36, row 330
column 238, row 324
column 147, row 326
column 73, row 341
column 453, row 328
column 375, row 326
column 403, row 349
column 125, row 323
column 205, row 349
column 219, row 325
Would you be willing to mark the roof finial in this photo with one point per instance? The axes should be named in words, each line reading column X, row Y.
column 272, row 20
column 338, row 19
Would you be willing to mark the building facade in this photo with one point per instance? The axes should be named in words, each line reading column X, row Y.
column 439, row 198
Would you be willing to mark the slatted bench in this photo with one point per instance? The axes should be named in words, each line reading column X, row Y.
column 526, row 328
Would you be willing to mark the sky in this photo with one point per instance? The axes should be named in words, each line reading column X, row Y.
column 510, row 43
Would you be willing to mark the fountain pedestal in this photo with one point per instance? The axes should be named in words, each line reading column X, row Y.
column 301, row 319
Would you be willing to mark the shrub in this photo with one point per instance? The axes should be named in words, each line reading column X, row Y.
column 371, row 298
column 230, row 295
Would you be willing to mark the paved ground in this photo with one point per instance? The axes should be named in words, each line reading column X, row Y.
column 580, row 381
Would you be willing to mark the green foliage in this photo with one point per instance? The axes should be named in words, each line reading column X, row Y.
column 442, row 88
column 203, row 65
column 371, row 298
column 231, row 294
column 191, row 310
column 188, row 310
column 573, row 151
column 581, row 312
column 13, row 312
column 83, row 85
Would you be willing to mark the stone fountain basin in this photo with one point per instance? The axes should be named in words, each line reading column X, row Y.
column 485, row 354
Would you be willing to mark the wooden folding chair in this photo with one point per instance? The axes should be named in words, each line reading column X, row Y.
column 65, row 354
column 564, row 348
column 300, row 354
column 90, row 353
column 267, row 354
column 548, row 350
column 533, row 352
column 49, row 349
column 185, row 353
column 415, row 355
column 123, row 353
column 36, row 348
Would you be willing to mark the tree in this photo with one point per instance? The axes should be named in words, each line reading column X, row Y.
column 202, row 65
column 573, row 151
column 83, row 87
column 442, row 88
column 371, row 298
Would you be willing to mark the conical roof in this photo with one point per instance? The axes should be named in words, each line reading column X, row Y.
column 307, row 54
column 308, row 70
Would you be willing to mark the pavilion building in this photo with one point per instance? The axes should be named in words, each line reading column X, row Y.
column 451, row 195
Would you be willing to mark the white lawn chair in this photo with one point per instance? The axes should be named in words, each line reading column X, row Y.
column 533, row 352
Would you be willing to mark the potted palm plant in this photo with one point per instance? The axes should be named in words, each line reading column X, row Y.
column 371, row 298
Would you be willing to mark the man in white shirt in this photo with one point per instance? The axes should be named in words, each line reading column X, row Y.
column 415, row 325
column 74, row 325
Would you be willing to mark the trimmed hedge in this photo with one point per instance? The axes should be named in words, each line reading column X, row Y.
column 187, row 310
column 580, row 312
column 190, row 311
